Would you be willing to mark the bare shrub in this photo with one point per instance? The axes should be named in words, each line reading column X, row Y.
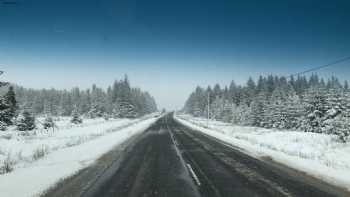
column 8, row 165
column 40, row 152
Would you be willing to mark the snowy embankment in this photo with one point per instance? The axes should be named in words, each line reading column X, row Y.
column 66, row 151
column 319, row 155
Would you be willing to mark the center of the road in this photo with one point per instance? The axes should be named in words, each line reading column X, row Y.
column 188, row 166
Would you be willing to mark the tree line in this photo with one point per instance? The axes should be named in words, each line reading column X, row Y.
column 119, row 100
column 310, row 104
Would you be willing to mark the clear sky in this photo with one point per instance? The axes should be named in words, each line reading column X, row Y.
column 168, row 47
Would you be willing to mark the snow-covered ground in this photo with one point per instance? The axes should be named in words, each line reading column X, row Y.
column 44, row 157
column 319, row 155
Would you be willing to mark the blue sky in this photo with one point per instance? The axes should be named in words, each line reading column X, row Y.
column 168, row 47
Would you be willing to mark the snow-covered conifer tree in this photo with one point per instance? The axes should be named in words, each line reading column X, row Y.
column 76, row 119
column 257, row 111
column 315, row 110
column 10, row 99
column 48, row 123
column 26, row 122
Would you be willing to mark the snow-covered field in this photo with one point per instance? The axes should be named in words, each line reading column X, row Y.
column 44, row 157
column 319, row 155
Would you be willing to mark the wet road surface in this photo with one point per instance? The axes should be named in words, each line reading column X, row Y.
column 171, row 160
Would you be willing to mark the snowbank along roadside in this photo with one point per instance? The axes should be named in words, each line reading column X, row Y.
column 31, row 178
column 319, row 155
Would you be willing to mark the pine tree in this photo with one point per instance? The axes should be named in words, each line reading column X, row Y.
column 341, row 127
column 307, row 104
column 48, row 123
column 315, row 110
column 47, row 109
column 257, row 111
column 5, row 115
column 115, row 111
column 8, row 107
column 346, row 85
column 250, row 91
column 10, row 99
column 236, row 114
column 242, row 114
column 275, row 110
column 76, row 117
column 126, row 110
column 293, row 109
column 125, row 107
column 216, row 108
column 283, row 108
column 227, row 113
column 95, row 100
column 26, row 122
column 216, row 91
column 95, row 111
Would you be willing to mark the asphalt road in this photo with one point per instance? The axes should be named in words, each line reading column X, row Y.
column 171, row 160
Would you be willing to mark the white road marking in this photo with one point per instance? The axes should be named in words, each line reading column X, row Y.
column 195, row 177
